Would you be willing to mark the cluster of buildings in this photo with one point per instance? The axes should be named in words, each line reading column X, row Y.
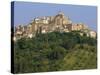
column 48, row 24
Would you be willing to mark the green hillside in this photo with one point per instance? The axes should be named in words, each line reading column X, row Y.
column 55, row 51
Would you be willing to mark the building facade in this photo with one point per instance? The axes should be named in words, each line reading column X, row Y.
column 47, row 24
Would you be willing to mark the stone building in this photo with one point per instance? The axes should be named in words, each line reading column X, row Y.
column 93, row 34
column 77, row 27
column 48, row 24
column 61, row 19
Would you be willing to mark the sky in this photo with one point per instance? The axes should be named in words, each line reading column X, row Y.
column 25, row 12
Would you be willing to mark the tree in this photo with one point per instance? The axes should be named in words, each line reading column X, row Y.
column 56, row 53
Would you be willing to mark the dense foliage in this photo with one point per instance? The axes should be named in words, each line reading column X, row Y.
column 55, row 51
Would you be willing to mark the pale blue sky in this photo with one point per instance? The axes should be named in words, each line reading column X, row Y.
column 25, row 12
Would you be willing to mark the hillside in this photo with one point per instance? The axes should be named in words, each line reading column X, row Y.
column 55, row 51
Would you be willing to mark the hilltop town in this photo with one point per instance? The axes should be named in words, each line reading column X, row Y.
column 49, row 24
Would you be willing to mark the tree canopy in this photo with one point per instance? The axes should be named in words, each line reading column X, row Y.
column 55, row 51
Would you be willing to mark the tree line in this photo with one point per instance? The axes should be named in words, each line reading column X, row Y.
column 55, row 51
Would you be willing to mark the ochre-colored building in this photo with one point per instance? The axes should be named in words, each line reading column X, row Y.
column 47, row 24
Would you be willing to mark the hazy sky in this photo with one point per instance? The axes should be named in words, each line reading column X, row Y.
column 25, row 12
